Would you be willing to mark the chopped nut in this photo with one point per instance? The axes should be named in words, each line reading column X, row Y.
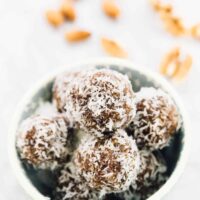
column 173, row 25
column 68, row 11
column 155, row 4
column 195, row 31
column 77, row 35
column 160, row 7
column 166, row 9
column 111, row 9
column 55, row 18
column 173, row 67
column 113, row 48
column 169, row 60
column 184, row 68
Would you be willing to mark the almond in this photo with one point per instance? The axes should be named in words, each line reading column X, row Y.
column 111, row 9
column 55, row 18
column 113, row 48
column 68, row 11
column 173, row 25
column 77, row 35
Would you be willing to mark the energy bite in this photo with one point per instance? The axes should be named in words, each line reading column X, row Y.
column 109, row 164
column 151, row 176
column 152, row 171
column 42, row 141
column 156, row 119
column 71, row 187
column 61, row 86
column 101, row 102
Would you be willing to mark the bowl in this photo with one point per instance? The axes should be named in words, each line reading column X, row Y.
column 176, row 154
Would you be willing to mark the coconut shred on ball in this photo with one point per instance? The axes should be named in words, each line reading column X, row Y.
column 152, row 175
column 108, row 165
column 101, row 101
column 71, row 187
column 42, row 141
column 61, row 85
column 156, row 119
column 152, row 170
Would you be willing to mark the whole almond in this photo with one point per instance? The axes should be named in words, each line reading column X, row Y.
column 111, row 9
column 77, row 35
column 68, row 11
column 113, row 48
column 55, row 18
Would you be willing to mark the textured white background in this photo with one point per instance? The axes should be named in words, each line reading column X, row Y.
column 30, row 48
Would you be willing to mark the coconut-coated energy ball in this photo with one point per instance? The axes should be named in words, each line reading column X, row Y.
column 152, row 170
column 71, row 187
column 102, row 101
column 61, row 85
column 109, row 164
column 156, row 119
column 42, row 141
column 151, row 176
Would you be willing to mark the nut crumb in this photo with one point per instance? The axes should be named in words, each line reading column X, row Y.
column 68, row 11
column 184, row 69
column 158, row 7
column 111, row 9
column 173, row 66
column 172, row 23
column 168, row 60
column 77, row 35
column 113, row 48
column 55, row 18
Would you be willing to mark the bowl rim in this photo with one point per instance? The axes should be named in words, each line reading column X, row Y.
column 16, row 164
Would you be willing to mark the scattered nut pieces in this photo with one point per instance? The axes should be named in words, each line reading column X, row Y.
column 168, row 60
column 160, row 7
column 183, row 69
column 68, row 11
column 111, row 9
column 173, row 24
column 77, row 35
column 174, row 67
column 113, row 48
column 55, row 18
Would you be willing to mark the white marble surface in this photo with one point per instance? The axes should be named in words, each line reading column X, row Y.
column 30, row 48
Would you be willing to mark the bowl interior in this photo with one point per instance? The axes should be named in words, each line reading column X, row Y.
column 39, row 178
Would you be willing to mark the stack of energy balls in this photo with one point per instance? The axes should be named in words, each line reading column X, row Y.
column 118, row 137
